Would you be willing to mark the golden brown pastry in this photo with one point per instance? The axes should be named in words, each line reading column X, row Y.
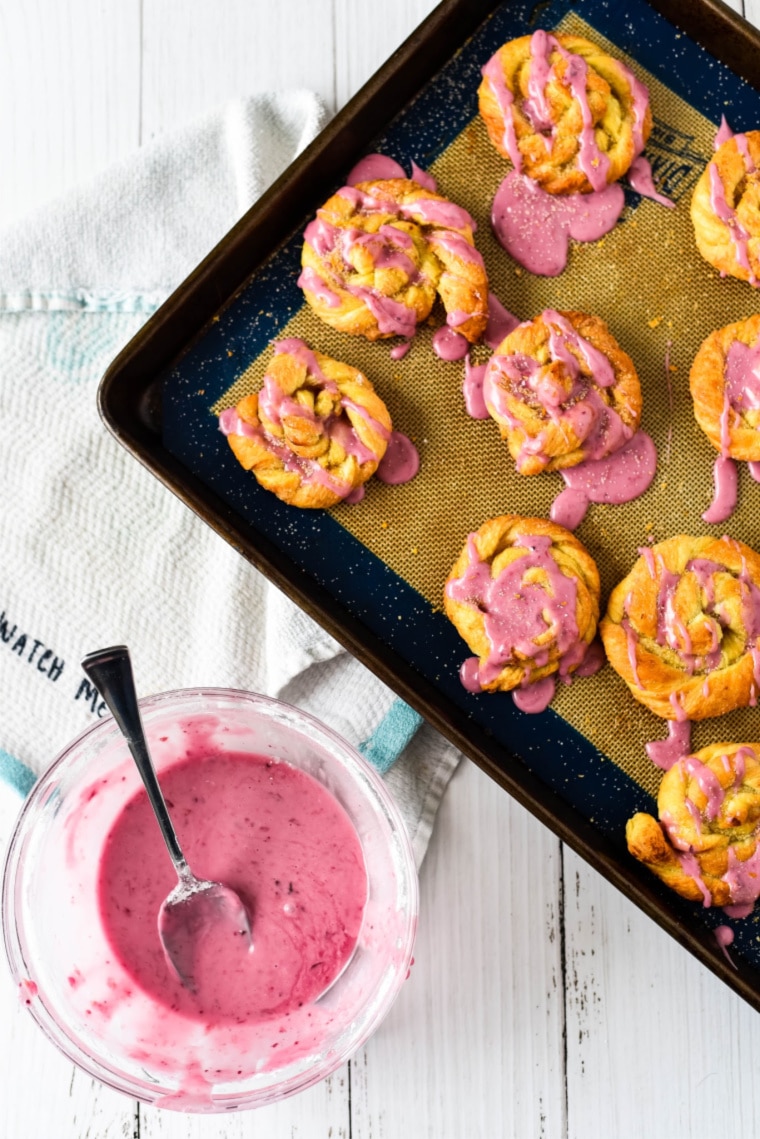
column 705, row 846
column 726, row 389
column 378, row 253
column 562, row 390
column 314, row 433
column 683, row 628
column 564, row 112
column 725, row 208
column 524, row 594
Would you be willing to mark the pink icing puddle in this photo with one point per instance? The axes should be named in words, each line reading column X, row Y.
column 372, row 167
column 724, row 935
column 400, row 462
column 356, row 495
column 640, row 179
column 664, row 753
column 400, row 350
column 500, row 322
column 375, row 166
column 535, row 227
column 741, row 392
column 619, row 478
column 449, row 345
column 535, row 697
column 277, row 837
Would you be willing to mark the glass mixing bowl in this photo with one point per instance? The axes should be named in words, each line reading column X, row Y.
column 60, row 956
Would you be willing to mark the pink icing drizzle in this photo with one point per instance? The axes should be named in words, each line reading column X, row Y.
column 664, row 753
column 400, row 350
column 500, row 322
column 741, row 392
column 494, row 73
column 724, row 935
column 535, row 227
column 400, row 462
column 422, row 178
column 724, row 133
column 708, row 783
column 472, row 389
column 640, row 179
column 726, row 214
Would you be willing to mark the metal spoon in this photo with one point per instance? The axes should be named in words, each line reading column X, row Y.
column 194, row 904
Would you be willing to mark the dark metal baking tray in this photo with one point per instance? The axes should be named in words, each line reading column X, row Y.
column 133, row 402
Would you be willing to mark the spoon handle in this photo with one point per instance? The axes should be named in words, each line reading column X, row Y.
column 110, row 670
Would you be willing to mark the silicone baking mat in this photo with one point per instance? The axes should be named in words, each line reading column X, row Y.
column 387, row 558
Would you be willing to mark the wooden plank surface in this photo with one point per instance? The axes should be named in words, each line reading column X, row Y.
column 541, row 1002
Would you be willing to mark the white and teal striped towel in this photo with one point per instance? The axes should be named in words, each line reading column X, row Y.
column 95, row 550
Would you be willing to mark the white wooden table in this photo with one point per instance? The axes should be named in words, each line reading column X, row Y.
column 541, row 1003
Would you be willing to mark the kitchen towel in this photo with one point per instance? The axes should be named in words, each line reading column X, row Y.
column 95, row 550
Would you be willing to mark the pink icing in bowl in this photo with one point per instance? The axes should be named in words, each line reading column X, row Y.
column 63, row 879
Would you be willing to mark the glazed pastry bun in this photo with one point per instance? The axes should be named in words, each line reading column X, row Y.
column 705, row 845
column 562, row 390
column 379, row 253
column 314, row 433
column 524, row 595
column 725, row 208
column 726, row 389
column 564, row 112
column 683, row 628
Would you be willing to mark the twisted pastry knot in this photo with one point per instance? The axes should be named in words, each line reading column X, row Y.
column 562, row 390
column 725, row 387
column 566, row 114
column 314, row 433
column 705, row 846
column 378, row 253
column 725, row 208
column 524, row 595
column 683, row 628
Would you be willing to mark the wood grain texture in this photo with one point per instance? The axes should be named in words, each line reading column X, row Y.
column 483, row 1009
column 323, row 1110
column 195, row 58
column 69, row 95
column 362, row 43
column 656, row 1045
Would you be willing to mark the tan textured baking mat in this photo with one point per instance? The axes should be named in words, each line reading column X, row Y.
column 659, row 298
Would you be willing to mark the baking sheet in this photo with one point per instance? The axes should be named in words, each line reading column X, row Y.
column 386, row 559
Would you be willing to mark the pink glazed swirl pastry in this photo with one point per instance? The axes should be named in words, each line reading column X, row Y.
column 565, row 113
column 683, row 628
column 314, row 433
column 725, row 387
column 725, row 208
column 524, row 595
column 562, row 392
column 378, row 253
column 705, row 845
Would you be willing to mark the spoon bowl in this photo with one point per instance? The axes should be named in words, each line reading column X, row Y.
column 196, row 907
